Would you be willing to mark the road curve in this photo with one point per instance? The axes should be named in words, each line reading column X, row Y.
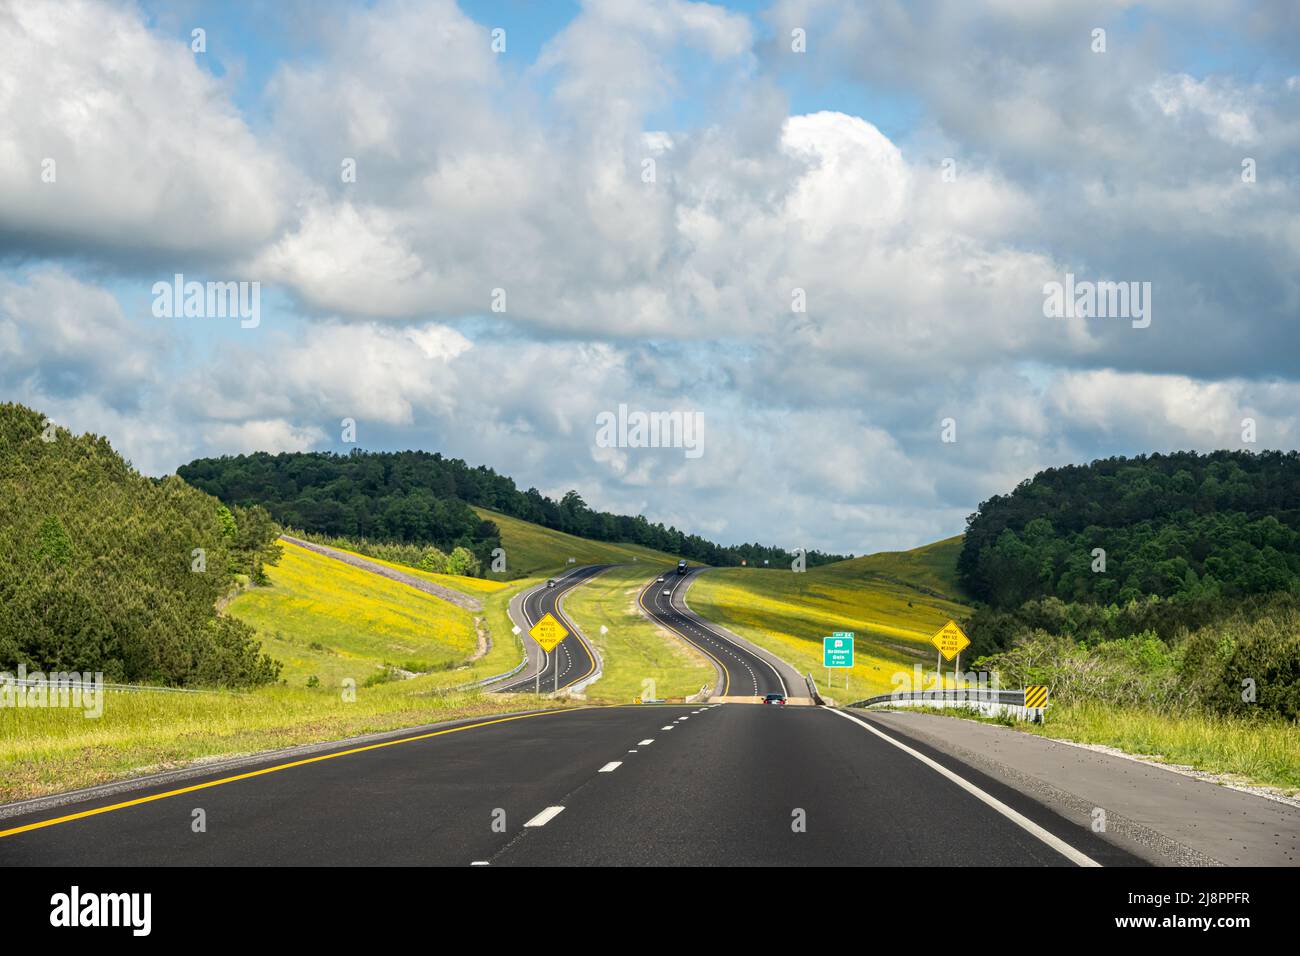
column 743, row 673
column 573, row 658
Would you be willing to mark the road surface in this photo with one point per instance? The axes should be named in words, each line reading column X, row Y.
column 728, row 784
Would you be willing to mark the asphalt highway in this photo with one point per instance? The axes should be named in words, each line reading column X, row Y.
column 574, row 660
column 727, row 784
column 744, row 673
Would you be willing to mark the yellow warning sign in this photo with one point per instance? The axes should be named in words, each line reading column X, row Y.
column 951, row 640
column 1035, row 695
column 548, row 632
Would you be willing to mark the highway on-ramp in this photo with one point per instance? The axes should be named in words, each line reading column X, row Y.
column 729, row 784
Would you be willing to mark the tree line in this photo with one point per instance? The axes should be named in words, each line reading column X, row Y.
column 424, row 498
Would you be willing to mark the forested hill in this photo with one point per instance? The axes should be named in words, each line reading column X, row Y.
column 423, row 498
column 1178, row 526
column 104, row 570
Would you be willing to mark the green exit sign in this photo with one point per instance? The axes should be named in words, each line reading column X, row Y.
column 837, row 650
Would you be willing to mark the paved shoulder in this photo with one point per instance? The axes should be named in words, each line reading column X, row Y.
column 1161, row 815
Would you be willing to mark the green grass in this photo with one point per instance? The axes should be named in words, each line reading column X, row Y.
column 639, row 657
column 55, row 749
column 929, row 568
column 892, row 602
column 532, row 550
column 321, row 617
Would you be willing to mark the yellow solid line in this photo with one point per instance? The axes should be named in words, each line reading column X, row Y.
column 257, row 773
column 726, row 675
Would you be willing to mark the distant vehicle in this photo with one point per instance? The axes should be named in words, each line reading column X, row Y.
column 667, row 593
column 681, row 566
column 550, row 583
column 661, row 579
column 775, row 699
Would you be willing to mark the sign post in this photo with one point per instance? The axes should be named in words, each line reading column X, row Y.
column 548, row 632
column 837, row 651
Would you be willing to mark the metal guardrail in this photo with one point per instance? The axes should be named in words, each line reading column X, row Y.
column 812, row 689
column 503, row 675
column 950, row 695
column 55, row 684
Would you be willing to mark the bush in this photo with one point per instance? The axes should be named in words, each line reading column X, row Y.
column 1223, row 662
column 1138, row 670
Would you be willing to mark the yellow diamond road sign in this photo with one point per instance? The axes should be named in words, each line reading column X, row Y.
column 548, row 632
column 951, row 640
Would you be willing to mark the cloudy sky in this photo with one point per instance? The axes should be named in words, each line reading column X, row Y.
column 654, row 186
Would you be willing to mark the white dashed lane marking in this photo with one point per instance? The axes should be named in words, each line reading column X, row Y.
column 611, row 766
column 545, row 817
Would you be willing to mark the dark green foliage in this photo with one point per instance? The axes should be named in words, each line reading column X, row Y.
column 1256, row 649
column 422, row 498
column 1183, row 526
column 95, row 566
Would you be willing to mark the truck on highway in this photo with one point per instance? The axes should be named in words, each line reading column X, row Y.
column 681, row 566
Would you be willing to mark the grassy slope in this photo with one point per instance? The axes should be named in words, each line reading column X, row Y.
column 931, row 567
column 532, row 550
column 890, row 601
column 474, row 587
column 325, row 618
column 634, row 651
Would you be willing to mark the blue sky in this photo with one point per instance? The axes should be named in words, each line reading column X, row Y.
column 778, row 177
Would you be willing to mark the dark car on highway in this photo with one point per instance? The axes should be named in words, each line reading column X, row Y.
column 775, row 699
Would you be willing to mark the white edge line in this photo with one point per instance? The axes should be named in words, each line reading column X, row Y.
column 1056, row 843
column 545, row 817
